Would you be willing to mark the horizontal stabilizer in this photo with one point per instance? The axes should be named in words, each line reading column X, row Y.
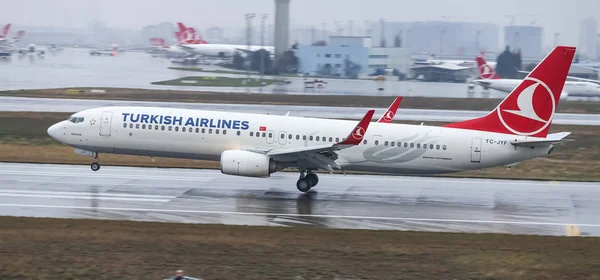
column 553, row 138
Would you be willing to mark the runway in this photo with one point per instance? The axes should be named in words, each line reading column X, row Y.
column 351, row 201
column 24, row 104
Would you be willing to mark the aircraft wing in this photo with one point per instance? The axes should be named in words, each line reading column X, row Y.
column 321, row 156
column 575, row 78
column 553, row 138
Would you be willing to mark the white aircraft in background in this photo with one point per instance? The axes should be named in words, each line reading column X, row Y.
column 257, row 145
column 160, row 44
column 191, row 41
column 488, row 78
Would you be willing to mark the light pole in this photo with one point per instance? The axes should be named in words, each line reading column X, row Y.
column 262, row 48
column 249, row 17
column 442, row 41
column 477, row 50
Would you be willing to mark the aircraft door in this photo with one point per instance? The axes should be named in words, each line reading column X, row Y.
column 270, row 136
column 282, row 138
column 476, row 150
column 105, row 123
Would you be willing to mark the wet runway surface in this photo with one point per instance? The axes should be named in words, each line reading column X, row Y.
column 351, row 201
column 22, row 104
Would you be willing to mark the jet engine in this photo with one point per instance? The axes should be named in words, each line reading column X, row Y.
column 245, row 163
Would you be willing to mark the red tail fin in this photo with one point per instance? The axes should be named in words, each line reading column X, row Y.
column 19, row 35
column 529, row 108
column 484, row 70
column 388, row 116
column 5, row 30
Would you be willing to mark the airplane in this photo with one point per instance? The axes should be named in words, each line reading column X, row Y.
column 390, row 113
column 190, row 41
column 258, row 145
column 160, row 45
column 488, row 78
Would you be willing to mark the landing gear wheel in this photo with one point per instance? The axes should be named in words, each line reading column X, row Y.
column 303, row 185
column 95, row 166
column 312, row 178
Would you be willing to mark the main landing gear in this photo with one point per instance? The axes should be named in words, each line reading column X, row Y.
column 95, row 165
column 308, row 181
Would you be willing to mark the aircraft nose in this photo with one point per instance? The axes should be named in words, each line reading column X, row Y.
column 54, row 130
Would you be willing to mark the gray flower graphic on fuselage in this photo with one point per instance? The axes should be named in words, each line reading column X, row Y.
column 397, row 154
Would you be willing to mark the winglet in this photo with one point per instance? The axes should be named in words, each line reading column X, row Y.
column 359, row 131
column 388, row 116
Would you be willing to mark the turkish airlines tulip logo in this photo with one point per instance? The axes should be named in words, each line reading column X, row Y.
column 529, row 112
column 486, row 71
column 358, row 133
column 389, row 116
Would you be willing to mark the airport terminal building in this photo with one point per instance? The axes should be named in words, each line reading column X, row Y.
column 350, row 57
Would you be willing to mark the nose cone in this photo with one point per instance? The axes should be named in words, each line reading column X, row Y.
column 55, row 131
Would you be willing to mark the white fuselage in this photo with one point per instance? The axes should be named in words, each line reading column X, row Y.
column 223, row 50
column 571, row 88
column 205, row 135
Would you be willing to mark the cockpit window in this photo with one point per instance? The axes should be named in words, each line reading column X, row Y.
column 75, row 119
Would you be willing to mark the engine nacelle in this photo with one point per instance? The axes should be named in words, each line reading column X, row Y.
column 564, row 95
column 244, row 163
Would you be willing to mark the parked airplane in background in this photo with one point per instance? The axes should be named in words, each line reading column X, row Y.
column 4, row 39
column 257, row 145
column 488, row 78
column 192, row 42
column 159, row 44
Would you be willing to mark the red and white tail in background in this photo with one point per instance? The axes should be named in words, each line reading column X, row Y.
column 19, row 35
column 529, row 108
column 5, row 31
column 158, row 43
column 485, row 71
column 188, row 35
column 388, row 116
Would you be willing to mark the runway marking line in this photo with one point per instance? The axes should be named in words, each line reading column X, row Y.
column 298, row 215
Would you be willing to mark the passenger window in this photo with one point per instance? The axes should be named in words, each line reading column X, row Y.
column 386, row 143
column 444, row 147
column 376, row 142
column 290, row 136
column 264, row 134
column 425, row 146
column 364, row 141
column 137, row 125
column 204, row 130
column 431, row 146
column 124, row 125
column 156, row 127
column 437, row 147
column 210, row 131
column 405, row 144
column 392, row 143
column 224, row 132
column 149, row 127
column 303, row 137
column 183, row 129
column 324, row 139
column 330, row 139
column 197, row 130
column 238, row 133
column 216, row 131
column 162, row 127
column 337, row 139
column 310, row 138
column 177, row 128
column 419, row 145
column 412, row 145
column 190, row 130
column 318, row 138
column 282, row 136
column 143, row 126
column 297, row 137
column 270, row 135
column 130, row 125
column 258, row 134
column 170, row 128
column 251, row 133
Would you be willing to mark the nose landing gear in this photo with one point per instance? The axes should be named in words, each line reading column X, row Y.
column 95, row 165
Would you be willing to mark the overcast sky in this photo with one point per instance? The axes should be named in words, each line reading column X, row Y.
column 561, row 16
